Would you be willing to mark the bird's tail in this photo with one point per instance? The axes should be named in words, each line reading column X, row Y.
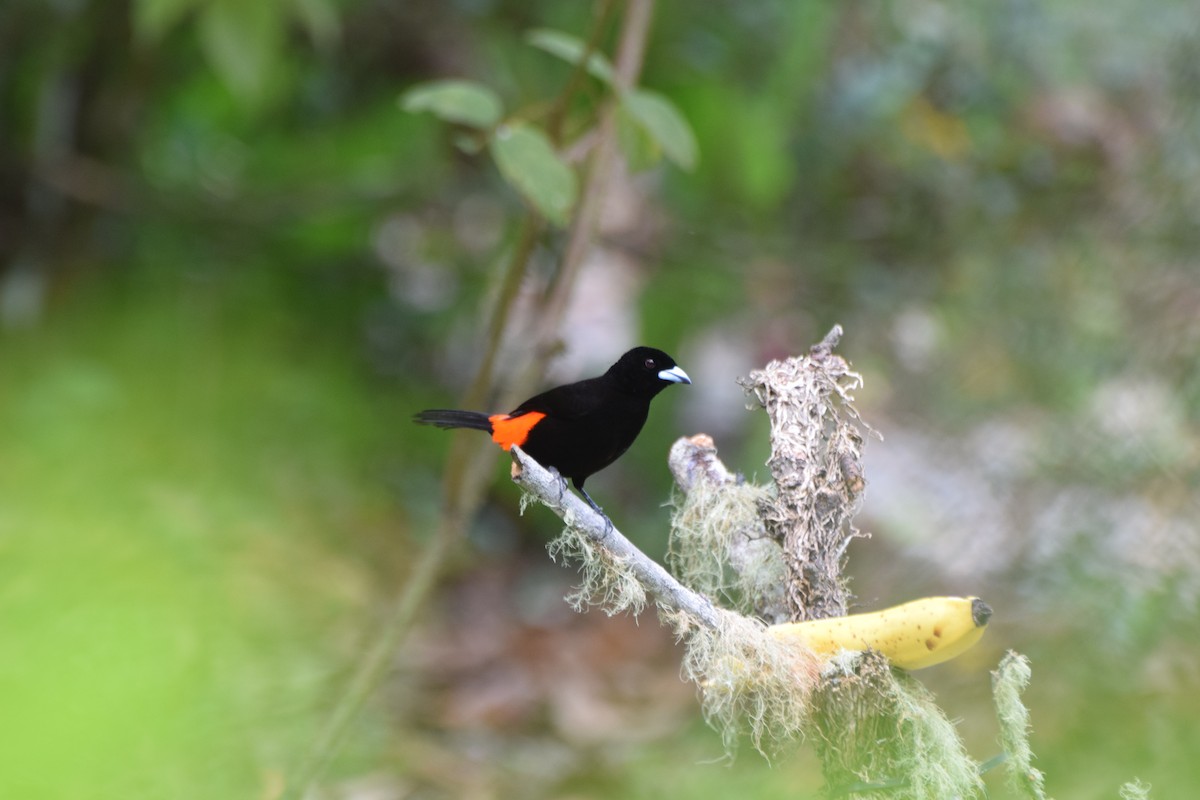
column 452, row 418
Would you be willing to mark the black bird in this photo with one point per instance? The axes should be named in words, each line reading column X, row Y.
column 580, row 428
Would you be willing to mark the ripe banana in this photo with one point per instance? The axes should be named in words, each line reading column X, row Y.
column 913, row 635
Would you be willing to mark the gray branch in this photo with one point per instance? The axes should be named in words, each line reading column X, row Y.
column 695, row 465
column 550, row 490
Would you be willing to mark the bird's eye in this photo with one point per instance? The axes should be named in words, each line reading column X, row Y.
column 649, row 363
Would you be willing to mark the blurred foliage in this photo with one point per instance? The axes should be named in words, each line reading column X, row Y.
column 185, row 512
column 231, row 265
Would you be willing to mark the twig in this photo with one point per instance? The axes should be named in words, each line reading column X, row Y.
column 694, row 459
column 467, row 467
column 708, row 535
column 631, row 46
column 558, row 114
column 547, row 488
column 372, row 668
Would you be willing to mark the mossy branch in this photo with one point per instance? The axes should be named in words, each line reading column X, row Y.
column 877, row 730
column 750, row 682
column 741, row 543
column 719, row 544
column 816, row 450
column 624, row 561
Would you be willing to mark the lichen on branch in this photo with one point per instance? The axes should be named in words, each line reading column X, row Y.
column 816, row 450
column 718, row 544
column 774, row 554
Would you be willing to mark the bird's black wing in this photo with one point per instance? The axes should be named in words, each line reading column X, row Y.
column 572, row 401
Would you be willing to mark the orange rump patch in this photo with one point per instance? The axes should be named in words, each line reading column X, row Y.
column 507, row 431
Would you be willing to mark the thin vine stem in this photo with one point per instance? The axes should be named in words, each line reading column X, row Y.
column 468, row 466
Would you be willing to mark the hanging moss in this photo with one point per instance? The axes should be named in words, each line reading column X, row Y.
column 751, row 684
column 877, row 728
column 718, row 546
column 1008, row 682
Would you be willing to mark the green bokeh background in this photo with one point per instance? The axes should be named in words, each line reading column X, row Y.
column 231, row 267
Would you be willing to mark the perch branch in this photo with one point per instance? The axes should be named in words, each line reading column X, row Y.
column 707, row 536
column 694, row 459
column 549, row 490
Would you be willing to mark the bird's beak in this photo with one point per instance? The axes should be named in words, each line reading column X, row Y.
column 674, row 375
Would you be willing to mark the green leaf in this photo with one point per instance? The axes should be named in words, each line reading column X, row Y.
column 527, row 161
column 244, row 44
column 320, row 19
column 469, row 143
column 153, row 18
column 766, row 170
column 641, row 151
column 665, row 124
column 571, row 49
column 465, row 102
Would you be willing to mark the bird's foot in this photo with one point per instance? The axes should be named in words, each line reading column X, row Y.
column 562, row 485
column 608, row 525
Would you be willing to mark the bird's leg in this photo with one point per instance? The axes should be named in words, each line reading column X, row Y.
column 608, row 525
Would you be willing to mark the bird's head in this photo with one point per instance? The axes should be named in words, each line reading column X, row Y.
column 646, row 370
